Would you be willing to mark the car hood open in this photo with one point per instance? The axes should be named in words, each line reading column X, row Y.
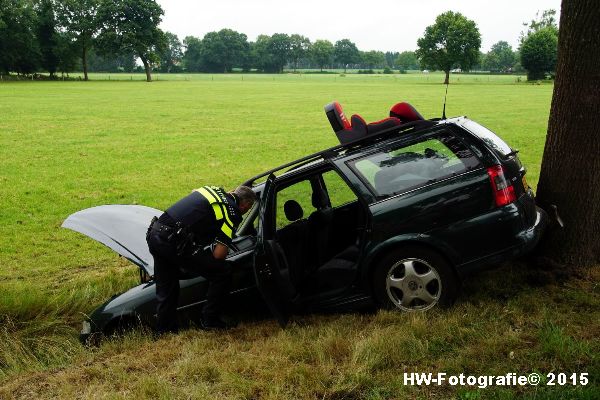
column 120, row 227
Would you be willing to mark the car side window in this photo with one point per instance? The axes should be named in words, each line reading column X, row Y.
column 300, row 192
column 402, row 168
column 339, row 192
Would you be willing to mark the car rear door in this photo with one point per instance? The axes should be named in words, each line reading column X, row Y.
column 269, row 259
column 432, row 186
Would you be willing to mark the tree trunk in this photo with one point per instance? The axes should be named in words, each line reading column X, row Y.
column 447, row 80
column 147, row 68
column 84, row 62
column 570, row 174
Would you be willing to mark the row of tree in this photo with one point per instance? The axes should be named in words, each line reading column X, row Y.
column 60, row 36
column 226, row 49
column 54, row 35
column 453, row 41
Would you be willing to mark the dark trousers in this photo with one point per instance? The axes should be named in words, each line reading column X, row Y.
column 169, row 268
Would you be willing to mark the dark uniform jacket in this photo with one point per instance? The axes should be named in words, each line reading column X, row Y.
column 209, row 212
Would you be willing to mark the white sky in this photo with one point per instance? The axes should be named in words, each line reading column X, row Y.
column 385, row 25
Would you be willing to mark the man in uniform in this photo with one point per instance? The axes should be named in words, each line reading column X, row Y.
column 207, row 216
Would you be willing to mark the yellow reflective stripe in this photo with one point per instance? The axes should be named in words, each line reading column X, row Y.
column 218, row 212
column 209, row 196
column 227, row 231
column 218, row 209
column 225, row 213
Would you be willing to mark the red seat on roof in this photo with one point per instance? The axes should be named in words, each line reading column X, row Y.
column 348, row 131
column 405, row 112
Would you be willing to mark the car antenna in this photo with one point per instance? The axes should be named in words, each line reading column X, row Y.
column 446, row 95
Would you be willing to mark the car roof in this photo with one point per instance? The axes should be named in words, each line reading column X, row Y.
column 352, row 147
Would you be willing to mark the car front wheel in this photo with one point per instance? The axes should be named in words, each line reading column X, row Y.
column 414, row 279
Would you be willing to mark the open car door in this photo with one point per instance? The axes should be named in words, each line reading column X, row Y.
column 269, row 259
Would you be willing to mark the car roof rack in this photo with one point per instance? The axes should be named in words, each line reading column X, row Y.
column 335, row 150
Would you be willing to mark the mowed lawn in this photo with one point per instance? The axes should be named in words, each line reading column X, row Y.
column 65, row 146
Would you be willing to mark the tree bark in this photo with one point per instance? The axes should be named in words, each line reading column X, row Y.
column 147, row 68
column 447, row 80
column 84, row 62
column 570, row 173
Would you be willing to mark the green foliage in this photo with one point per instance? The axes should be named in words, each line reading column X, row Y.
column 321, row 52
column 279, row 48
column 171, row 55
column 346, row 53
column 118, row 63
column 66, row 52
column 131, row 26
column 47, row 35
column 271, row 53
column 500, row 58
column 452, row 42
column 81, row 22
column 407, row 60
column 390, row 59
column 299, row 48
column 547, row 19
column 539, row 46
column 538, row 53
column 19, row 47
column 223, row 50
column 372, row 59
column 192, row 57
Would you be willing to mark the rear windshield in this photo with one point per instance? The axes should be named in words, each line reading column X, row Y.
column 403, row 168
column 489, row 137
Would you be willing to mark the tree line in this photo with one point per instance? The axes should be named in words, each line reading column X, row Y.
column 110, row 35
column 226, row 49
column 453, row 42
column 60, row 36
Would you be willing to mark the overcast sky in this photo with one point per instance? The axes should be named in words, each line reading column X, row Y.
column 384, row 25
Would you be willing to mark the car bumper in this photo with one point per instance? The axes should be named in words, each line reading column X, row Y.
column 526, row 241
column 531, row 237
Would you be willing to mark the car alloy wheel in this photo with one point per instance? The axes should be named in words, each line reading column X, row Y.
column 413, row 284
column 414, row 278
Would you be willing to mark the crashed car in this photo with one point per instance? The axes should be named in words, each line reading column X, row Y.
column 395, row 216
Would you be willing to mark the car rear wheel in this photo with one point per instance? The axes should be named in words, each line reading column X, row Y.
column 414, row 279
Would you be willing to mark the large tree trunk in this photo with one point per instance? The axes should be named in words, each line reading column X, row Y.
column 84, row 62
column 447, row 80
column 570, row 175
column 147, row 68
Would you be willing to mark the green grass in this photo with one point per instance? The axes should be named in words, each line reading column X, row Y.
column 65, row 146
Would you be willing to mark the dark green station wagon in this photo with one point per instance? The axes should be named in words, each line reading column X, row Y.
column 395, row 216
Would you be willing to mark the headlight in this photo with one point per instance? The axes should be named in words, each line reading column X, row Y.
column 86, row 328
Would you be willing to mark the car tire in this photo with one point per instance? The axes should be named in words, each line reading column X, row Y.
column 414, row 278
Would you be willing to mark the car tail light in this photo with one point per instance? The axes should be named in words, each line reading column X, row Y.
column 504, row 192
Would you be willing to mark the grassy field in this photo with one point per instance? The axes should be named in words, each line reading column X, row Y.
column 65, row 146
